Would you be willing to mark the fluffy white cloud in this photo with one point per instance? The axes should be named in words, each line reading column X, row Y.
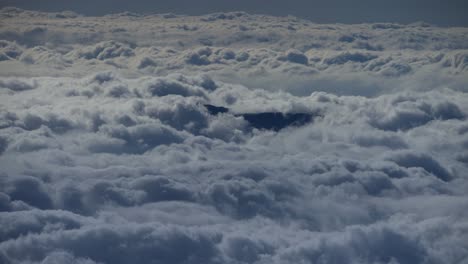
column 110, row 154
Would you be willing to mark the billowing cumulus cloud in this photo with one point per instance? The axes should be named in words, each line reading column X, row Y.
column 231, row 138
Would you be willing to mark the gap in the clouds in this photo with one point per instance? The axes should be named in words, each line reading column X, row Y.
column 267, row 120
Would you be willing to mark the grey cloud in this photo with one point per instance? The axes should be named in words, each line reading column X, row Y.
column 349, row 57
column 159, row 188
column 29, row 190
column 200, row 57
column 119, row 91
column 246, row 250
column 137, row 139
column 407, row 114
column 17, row 85
column 242, row 198
column 9, row 50
column 109, row 153
column 371, row 246
column 160, row 243
column 106, row 50
column 297, row 57
column 388, row 140
column 3, row 145
column 65, row 257
column 161, row 87
column 37, row 221
column 410, row 159
column 52, row 121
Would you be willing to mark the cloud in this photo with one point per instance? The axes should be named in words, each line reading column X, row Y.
column 407, row 113
column 230, row 138
column 410, row 159
column 105, row 50
column 3, row 145
column 371, row 246
column 136, row 243
column 136, row 139
column 345, row 57
column 296, row 56
column 159, row 188
column 199, row 57
column 161, row 87
column 17, row 85
column 29, row 190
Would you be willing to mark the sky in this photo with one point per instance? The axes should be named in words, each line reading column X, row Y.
column 231, row 138
column 439, row 12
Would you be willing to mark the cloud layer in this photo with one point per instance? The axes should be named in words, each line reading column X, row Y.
column 108, row 153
